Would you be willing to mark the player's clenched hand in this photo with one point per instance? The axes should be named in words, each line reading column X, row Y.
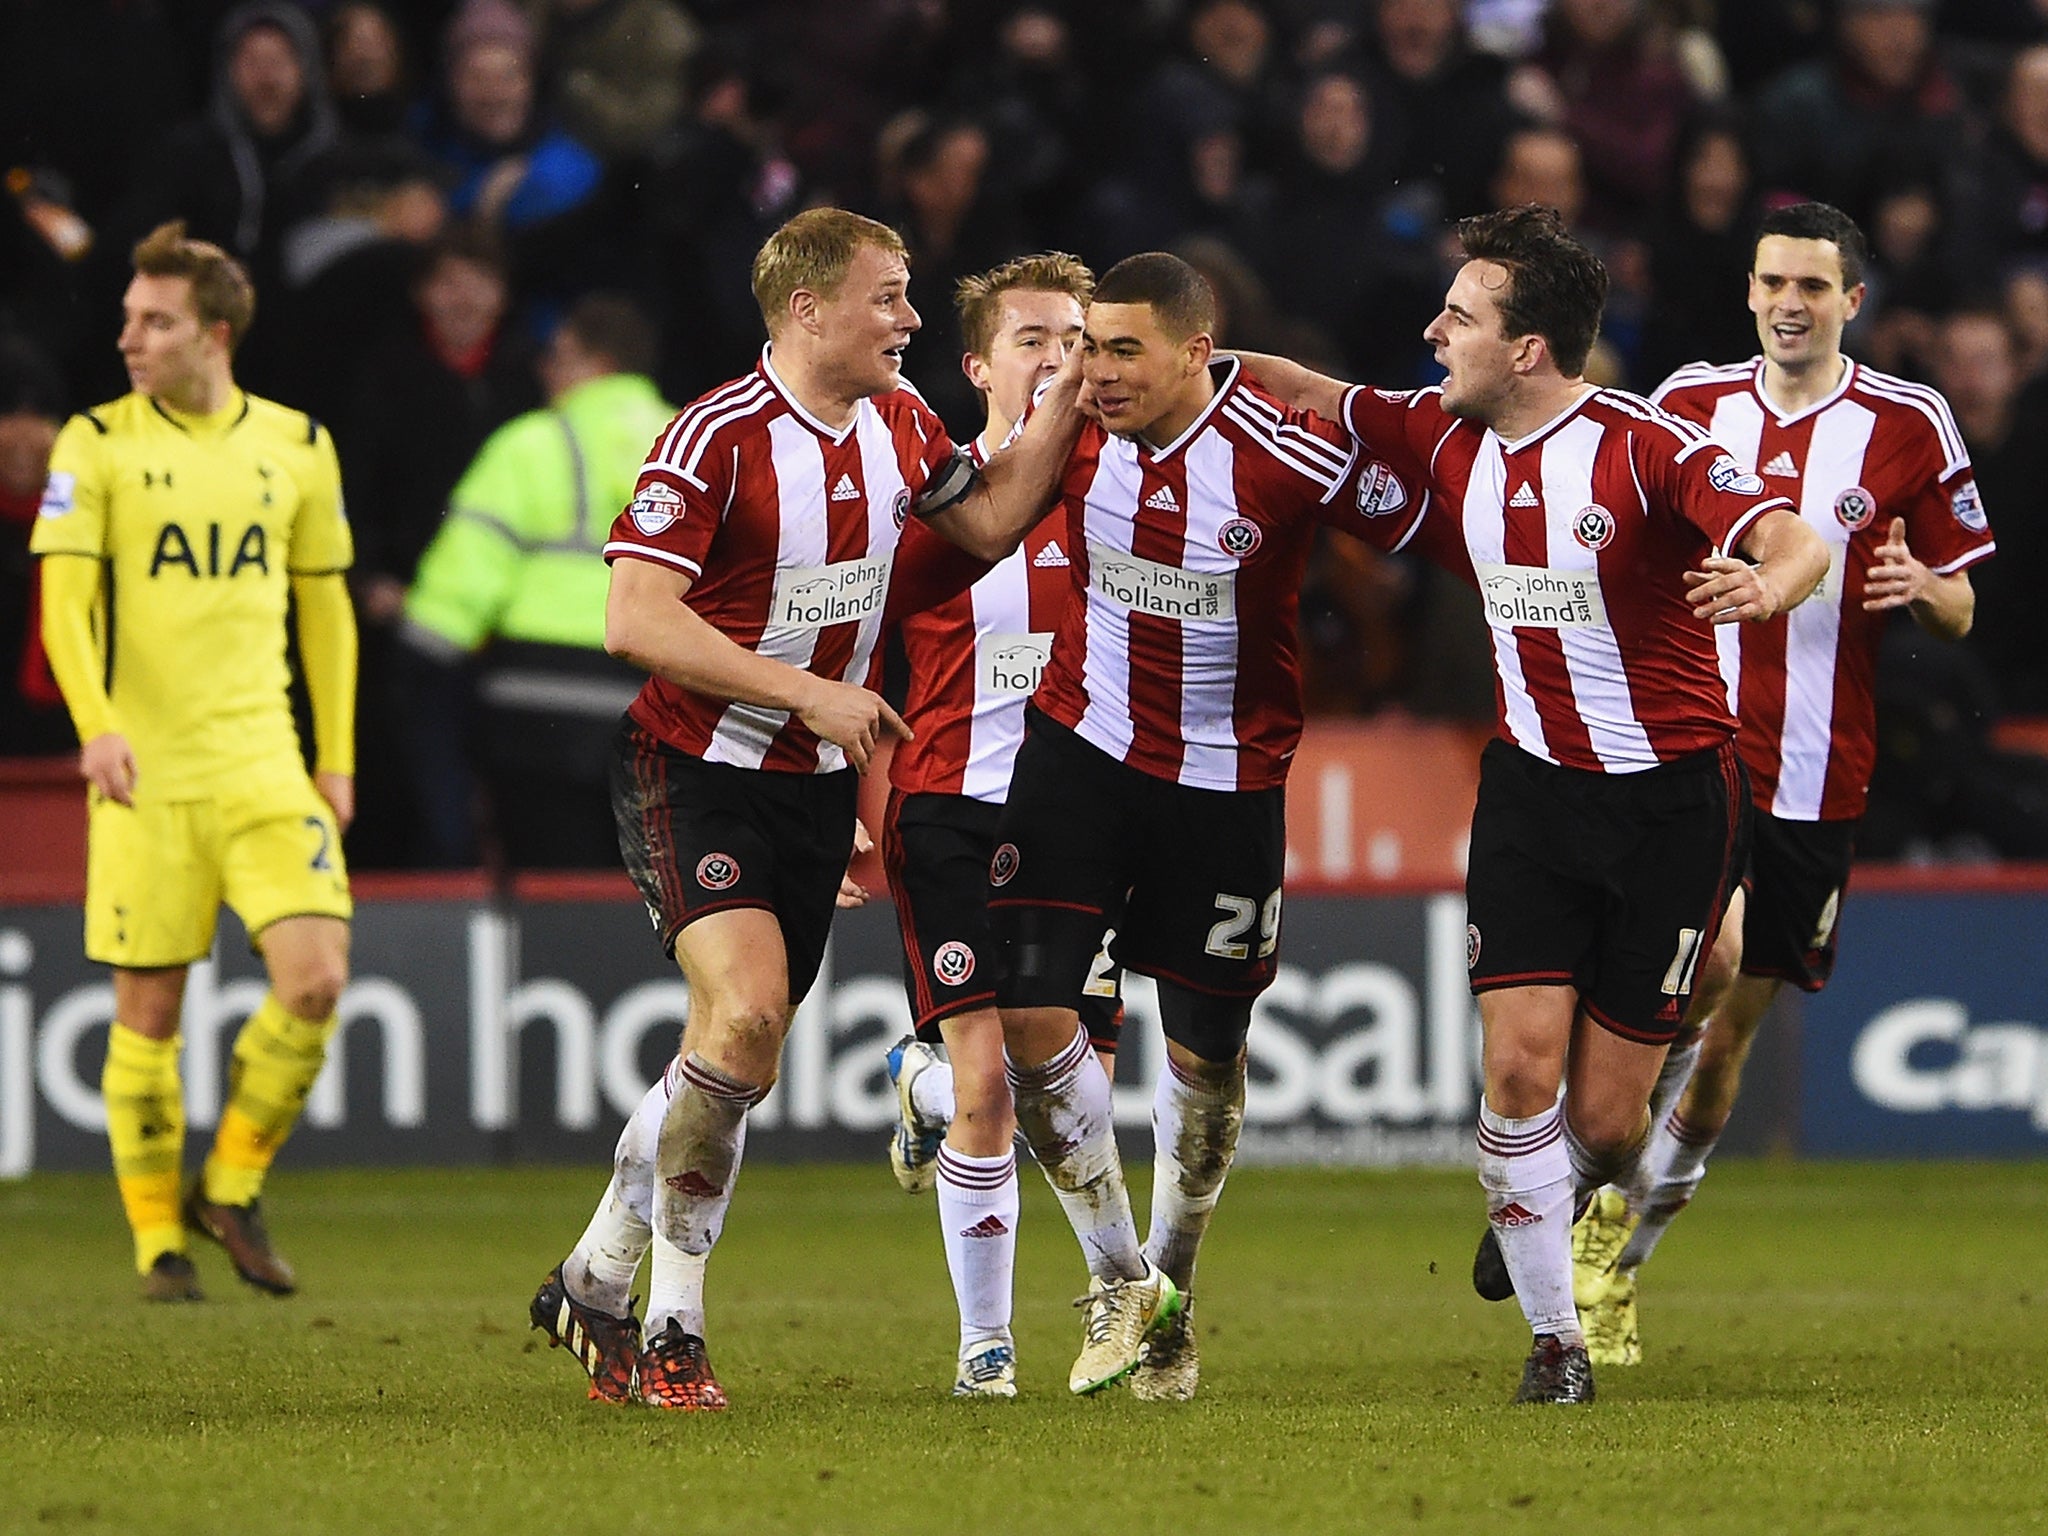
column 852, row 718
column 851, row 892
column 109, row 766
column 1727, row 590
column 1897, row 579
column 339, row 791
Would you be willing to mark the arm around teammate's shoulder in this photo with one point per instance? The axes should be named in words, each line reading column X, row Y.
column 1297, row 385
column 1018, row 484
column 647, row 623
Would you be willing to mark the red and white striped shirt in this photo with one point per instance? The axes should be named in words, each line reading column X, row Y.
column 1580, row 534
column 1177, row 650
column 789, row 530
column 973, row 660
column 1877, row 448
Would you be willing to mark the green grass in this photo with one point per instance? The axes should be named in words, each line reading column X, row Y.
column 1830, row 1349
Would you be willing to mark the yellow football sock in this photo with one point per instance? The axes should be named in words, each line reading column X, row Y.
column 277, row 1056
column 146, row 1130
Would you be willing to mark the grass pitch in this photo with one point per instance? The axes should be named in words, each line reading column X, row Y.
column 1830, row 1349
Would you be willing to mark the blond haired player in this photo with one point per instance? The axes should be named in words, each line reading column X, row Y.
column 178, row 524
column 749, row 577
column 974, row 659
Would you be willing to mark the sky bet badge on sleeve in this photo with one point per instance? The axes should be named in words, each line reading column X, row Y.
column 1380, row 491
column 1967, row 503
column 655, row 509
column 1725, row 474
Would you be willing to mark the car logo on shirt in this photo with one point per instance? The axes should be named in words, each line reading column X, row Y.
column 655, row 509
column 1239, row 537
column 1593, row 527
column 1855, row 507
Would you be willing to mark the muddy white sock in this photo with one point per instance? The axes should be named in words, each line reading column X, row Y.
column 600, row 1270
column 696, row 1164
column 1196, row 1118
column 1063, row 1109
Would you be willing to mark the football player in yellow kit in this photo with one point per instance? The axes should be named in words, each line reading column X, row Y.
column 179, row 525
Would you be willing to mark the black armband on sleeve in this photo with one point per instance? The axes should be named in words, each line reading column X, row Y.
column 949, row 487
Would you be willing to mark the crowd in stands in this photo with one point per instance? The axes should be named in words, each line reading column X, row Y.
column 421, row 191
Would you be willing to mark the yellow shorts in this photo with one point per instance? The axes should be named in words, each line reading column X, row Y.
column 156, row 874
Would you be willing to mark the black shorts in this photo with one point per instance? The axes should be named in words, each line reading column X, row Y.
column 1196, row 873
column 702, row 837
column 1611, row 883
column 1798, row 872
column 936, row 849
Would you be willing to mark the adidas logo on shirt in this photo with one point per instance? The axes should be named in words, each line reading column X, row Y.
column 1050, row 556
column 1525, row 497
column 1782, row 465
column 1162, row 500
column 846, row 490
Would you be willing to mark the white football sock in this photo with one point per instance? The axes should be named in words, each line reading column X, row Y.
column 697, row 1161
column 1195, row 1125
column 1671, row 1081
column 1591, row 1169
column 1675, row 1164
column 978, row 1215
column 1527, row 1176
column 931, row 1096
column 599, row 1272
column 1063, row 1109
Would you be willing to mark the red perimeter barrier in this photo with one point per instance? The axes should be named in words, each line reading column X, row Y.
column 42, row 831
column 1374, row 807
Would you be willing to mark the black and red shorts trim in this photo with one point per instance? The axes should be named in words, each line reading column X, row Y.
column 1798, row 875
column 700, row 838
column 937, row 850
column 1188, row 878
column 1612, row 884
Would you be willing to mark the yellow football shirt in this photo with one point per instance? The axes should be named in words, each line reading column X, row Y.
column 199, row 522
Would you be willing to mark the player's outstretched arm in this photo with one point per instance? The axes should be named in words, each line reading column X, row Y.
column 327, row 654
column 1789, row 562
column 1016, row 487
column 647, row 623
column 71, row 593
column 1296, row 385
column 1944, row 606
